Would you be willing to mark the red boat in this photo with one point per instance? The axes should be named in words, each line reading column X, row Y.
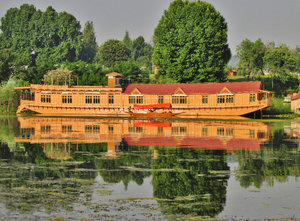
column 153, row 114
column 152, row 106
column 152, row 111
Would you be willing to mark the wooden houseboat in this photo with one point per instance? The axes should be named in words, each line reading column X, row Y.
column 60, row 97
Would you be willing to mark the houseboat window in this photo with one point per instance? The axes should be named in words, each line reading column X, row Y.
column 160, row 99
column 221, row 99
column 139, row 100
column 204, row 131
column 160, row 130
column 175, row 100
column 88, row 128
column 66, row 99
column 45, row 129
column 182, row 130
column 225, row 99
column 66, row 128
column 27, row 95
column 179, row 99
column 252, row 97
column 229, row 131
column 229, row 98
column 220, row 131
column 45, row 98
column 88, row 99
column 96, row 128
column 110, row 129
column 205, row 99
column 182, row 99
column 110, row 98
column 96, row 99
column 135, row 129
column 136, row 100
column 131, row 100
column 174, row 130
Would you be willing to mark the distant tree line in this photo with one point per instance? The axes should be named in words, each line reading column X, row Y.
column 280, row 64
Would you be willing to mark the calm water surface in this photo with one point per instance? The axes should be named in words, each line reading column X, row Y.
column 135, row 169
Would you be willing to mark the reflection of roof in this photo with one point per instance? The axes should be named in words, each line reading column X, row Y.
column 202, row 88
column 203, row 143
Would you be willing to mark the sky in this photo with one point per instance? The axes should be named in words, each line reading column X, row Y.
column 270, row 20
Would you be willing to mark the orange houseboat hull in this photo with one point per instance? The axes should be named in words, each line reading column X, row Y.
column 187, row 100
column 94, row 111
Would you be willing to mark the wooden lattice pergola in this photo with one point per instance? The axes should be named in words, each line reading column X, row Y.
column 60, row 74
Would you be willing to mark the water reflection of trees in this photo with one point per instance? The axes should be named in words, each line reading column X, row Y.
column 30, row 181
column 190, row 181
column 276, row 161
column 115, row 170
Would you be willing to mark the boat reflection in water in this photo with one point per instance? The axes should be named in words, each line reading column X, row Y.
column 57, row 134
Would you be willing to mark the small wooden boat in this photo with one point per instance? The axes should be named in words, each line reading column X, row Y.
column 152, row 114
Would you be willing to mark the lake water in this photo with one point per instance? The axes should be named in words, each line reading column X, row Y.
column 136, row 169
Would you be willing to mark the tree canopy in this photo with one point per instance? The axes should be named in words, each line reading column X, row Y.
column 191, row 42
column 112, row 51
column 251, row 55
column 89, row 43
column 41, row 37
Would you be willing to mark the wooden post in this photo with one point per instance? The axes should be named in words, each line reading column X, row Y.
column 69, row 78
column 51, row 77
column 77, row 80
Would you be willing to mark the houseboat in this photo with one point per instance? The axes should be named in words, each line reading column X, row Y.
column 57, row 95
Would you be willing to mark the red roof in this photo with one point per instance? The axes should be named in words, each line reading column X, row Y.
column 296, row 96
column 196, row 88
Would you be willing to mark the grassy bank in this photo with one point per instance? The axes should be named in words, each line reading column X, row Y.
column 279, row 109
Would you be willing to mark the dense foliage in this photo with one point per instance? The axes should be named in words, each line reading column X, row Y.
column 41, row 37
column 251, row 55
column 191, row 42
column 112, row 51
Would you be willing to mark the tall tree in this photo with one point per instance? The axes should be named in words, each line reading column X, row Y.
column 251, row 56
column 89, row 42
column 191, row 42
column 112, row 51
column 52, row 37
column 127, row 41
column 280, row 60
column 142, row 52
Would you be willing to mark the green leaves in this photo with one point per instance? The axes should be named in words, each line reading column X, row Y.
column 191, row 42
column 112, row 51
column 55, row 37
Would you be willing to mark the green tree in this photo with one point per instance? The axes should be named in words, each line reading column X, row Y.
column 281, row 61
column 7, row 59
column 39, row 37
column 112, row 51
column 296, row 52
column 251, row 56
column 89, row 43
column 191, row 42
column 127, row 41
column 142, row 52
column 131, row 70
